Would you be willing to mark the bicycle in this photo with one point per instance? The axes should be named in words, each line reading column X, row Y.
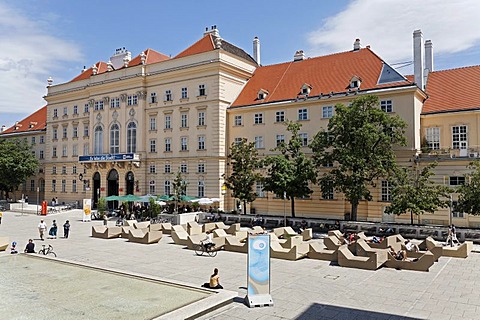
column 209, row 248
column 47, row 250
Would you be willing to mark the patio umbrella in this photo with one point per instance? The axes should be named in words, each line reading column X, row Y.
column 112, row 198
column 187, row 198
column 166, row 197
column 147, row 197
column 203, row 201
column 162, row 203
column 129, row 198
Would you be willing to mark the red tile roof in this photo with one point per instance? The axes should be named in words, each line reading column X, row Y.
column 34, row 122
column 325, row 74
column 101, row 68
column 152, row 56
column 453, row 90
column 203, row 45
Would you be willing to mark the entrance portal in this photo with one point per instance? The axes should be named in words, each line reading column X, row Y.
column 96, row 189
column 112, row 188
column 130, row 183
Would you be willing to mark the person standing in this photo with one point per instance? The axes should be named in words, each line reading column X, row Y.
column 54, row 229
column 66, row 229
column 30, row 248
column 26, row 198
column 42, row 226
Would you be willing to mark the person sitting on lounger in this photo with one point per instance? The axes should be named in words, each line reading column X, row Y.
column 410, row 246
column 398, row 255
column 376, row 239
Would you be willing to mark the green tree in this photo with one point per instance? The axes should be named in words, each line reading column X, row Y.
column 469, row 193
column 290, row 172
column 179, row 188
column 359, row 140
column 154, row 209
column 101, row 207
column 413, row 191
column 244, row 161
column 17, row 163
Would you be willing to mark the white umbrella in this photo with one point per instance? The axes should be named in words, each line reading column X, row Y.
column 205, row 201
column 162, row 203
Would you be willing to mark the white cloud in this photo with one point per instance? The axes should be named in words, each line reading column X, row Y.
column 388, row 25
column 28, row 56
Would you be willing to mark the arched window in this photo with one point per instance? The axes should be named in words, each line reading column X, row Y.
column 114, row 138
column 131, row 137
column 98, row 140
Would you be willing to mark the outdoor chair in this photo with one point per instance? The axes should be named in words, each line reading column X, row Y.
column 155, row 227
column 106, row 232
column 233, row 244
column 422, row 263
column 337, row 234
column 363, row 249
column 4, row 242
column 129, row 223
column 233, row 228
column 307, row 234
column 319, row 252
column 193, row 228
column 393, row 241
column 460, row 251
column 423, row 247
column 241, row 235
column 126, row 231
column 347, row 259
column 209, row 226
column 141, row 225
column 149, row 237
column 257, row 230
column 179, row 235
column 166, row 227
column 295, row 253
column 274, row 238
column 292, row 241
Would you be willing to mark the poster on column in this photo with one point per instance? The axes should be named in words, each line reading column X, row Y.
column 87, row 210
column 258, row 271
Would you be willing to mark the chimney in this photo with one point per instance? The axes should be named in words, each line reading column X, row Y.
column 117, row 59
column 213, row 31
column 256, row 50
column 299, row 56
column 418, row 58
column 356, row 45
column 2, row 128
column 428, row 58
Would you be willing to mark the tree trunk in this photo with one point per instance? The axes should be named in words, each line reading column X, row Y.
column 292, row 203
column 353, row 214
column 244, row 206
column 411, row 217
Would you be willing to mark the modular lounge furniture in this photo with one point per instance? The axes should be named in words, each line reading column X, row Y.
column 319, row 252
column 347, row 259
column 179, row 235
column 422, row 263
column 460, row 251
column 104, row 232
column 295, row 253
column 140, row 236
column 235, row 245
column 4, row 242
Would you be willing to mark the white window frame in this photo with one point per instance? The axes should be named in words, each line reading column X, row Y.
column 183, row 143
column 259, row 144
column 386, row 191
column 201, row 118
column 304, row 138
column 153, row 97
column 167, row 168
column 153, row 123
column 168, row 121
column 302, row 114
column 460, row 137
column 386, row 105
column 433, row 138
column 131, row 137
column 98, row 140
column 279, row 116
column 202, row 90
column 201, row 142
column 201, row 167
column 168, row 144
column 327, row 112
column 258, row 118
column 184, row 120
column 153, row 145
column 184, row 93
column 238, row 120
column 201, row 189
column 279, row 139
column 115, row 138
column 168, row 95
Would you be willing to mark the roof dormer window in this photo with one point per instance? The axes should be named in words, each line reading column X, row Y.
column 355, row 82
column 262, row 94
column 305, row 90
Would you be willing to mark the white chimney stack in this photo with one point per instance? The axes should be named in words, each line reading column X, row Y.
column 256, row 50
column 2, row 128
column 418, row 58
column 121, row 54
column 299, row 56
column 356, row 45
column 428, row 58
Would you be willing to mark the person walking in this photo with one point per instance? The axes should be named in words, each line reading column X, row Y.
column 66, row 229
column 53, row 229
column 42, row 226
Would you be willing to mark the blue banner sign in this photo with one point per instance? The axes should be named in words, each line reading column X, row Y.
column 109, row 157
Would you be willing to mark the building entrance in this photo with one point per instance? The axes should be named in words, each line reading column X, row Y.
column 112, row 188
column 96, row 189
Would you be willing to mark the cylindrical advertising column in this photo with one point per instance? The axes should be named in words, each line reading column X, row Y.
column 44, row 208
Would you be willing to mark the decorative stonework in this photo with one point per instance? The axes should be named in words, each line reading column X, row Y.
column 106, row 100
column 123, row 97
column 132, row 112
column 115, row 115
column 91, row 102
column 142, row 95
column 99, row 117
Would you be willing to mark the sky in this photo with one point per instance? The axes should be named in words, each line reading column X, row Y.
column 57, row 38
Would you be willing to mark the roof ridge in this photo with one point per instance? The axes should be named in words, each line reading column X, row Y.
column 453, row 69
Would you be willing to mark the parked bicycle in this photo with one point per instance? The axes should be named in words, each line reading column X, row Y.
column 47, row 250
column 206, row 247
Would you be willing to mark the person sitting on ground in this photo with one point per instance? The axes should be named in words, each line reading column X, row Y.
column 214, row 281
column 410, row 246
column 30, row 248
column 13, row 248
column 398, row 255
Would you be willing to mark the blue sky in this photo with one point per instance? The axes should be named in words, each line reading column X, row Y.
column 57, row 38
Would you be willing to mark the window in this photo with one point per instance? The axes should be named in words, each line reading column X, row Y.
column 327, row 112
column 65, row 111
column 85, row 149
column 55, row 133
column 115, row 103
column 184, row 120
column 237, row 140
column 459, row 137
column 280, row 138
column 75, row 132
column 33, row 140
column 327, row 193
column 259, row 190
column 304, row 139
column 238, row 120
column 42, row 139
column 74, row 150
column 74, row 170
column 153, row 123
column 455, row 212
column 85, row 130
column 433, row 138
column 64, row 151
column 74, row 185
column 132, row 100
column 183, row 168
column 201, row 118
column 114, row 138
column 54, row 170
column 98, row 140
column 33, row 153
column 168, row 95
column 153, row 145
column 168, row 122
column 153, row 97
column 201, row 90
column 386, row 190
column 86, row 108
column 201, row 143
column 167, row 168
column 184, row 143
column 258, row 118
column 54, row 152
column 280, row 116
column 303, row 114
column 64, row 185
column 32, row 185
column 131, row 137
column 259, row 142
column 184, row 93
column 457, row 181
column 152, row 168
column 167, row 189
column 98, row 105
column 54, row 185
column 64, row 169
column 201, row 189
column 55, row 113
column 201, row 167
column 75, row 109
column 152, row 187
column 64, row 132
column 386, row 105
column 168, row 144
column 41, row 156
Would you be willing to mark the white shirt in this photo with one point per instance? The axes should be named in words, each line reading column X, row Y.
column 410, row 246
column 209, row 238
column 42, row 226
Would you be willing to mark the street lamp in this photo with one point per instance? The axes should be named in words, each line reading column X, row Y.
column 450, row 211
column 284, row 210
column 38, row 198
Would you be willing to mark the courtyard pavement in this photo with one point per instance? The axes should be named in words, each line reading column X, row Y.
column 304, row 289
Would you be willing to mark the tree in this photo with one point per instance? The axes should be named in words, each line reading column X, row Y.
column 469, row 193
column 179, row 188
column 17, row 163
column 359, row 139
column 290, row 172
column 413, row 191
column 154, row 209
column 244, row 161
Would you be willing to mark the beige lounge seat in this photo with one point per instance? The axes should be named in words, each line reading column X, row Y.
column 422, row 263
column 106, row 233
column 193, row 228
column 233, row 244
column 336, row 233
column 394, row 241
column 141, row 225
column 292, row 241
column 274, row 238
column 195, row 239
column 129, row 223
column 221, row 225
column 278, row 232
column 155, row 227
column 347, row 259
column 166, row 228
column 257, row 230
column 361, row 235
column 317, row 251
column 149, row 237
column 241, row 235
column 289, row 232
column 307, row 234
column 460, row 251
column 126, row 231
column 209, row 226
column 332, row 242
column 364, row 250
column 232, row 229
column 4, row 242
column 424, row 246
column 295, row 253
column 179, row 235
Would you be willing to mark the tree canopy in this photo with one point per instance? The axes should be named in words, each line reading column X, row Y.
column 469, row 193
column 291, row 171
column 17, row 163
column 359, row 140
column 244, row 161
column 413, row 191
